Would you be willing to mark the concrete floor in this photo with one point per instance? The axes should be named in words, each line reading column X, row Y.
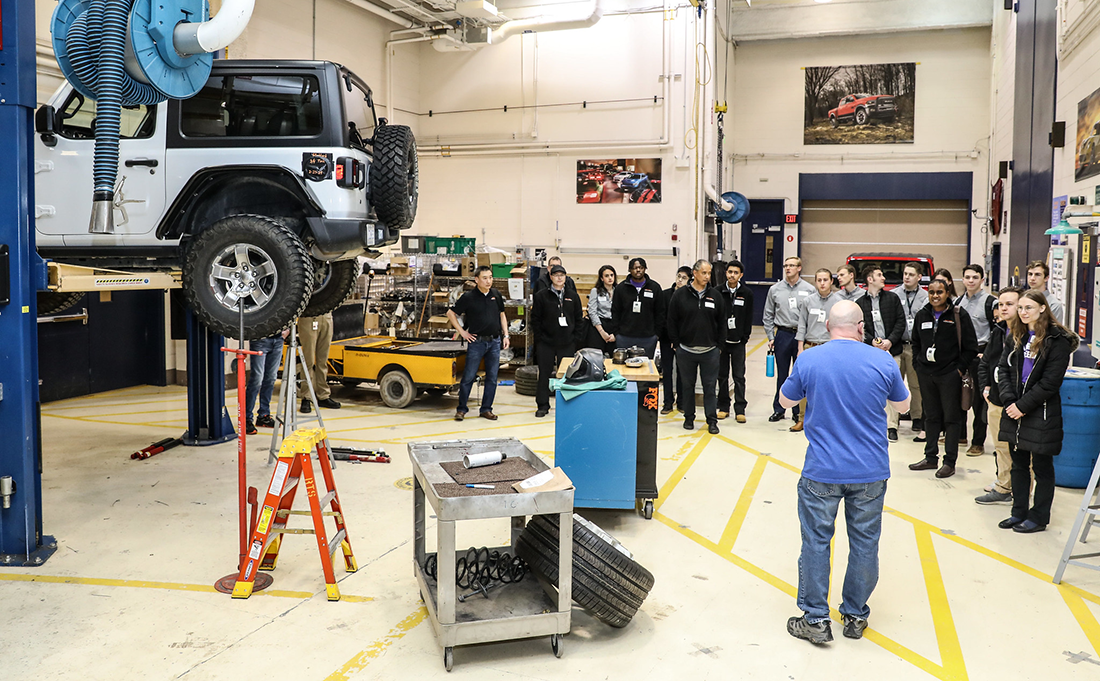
column 129, row 594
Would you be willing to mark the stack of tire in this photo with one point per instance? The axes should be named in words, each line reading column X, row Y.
column 607, row 582
column 527, row 378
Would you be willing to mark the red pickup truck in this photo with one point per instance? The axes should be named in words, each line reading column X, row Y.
column 861, row 108
column 892, row 265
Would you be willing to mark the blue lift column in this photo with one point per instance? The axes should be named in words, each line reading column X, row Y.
column 21, row 272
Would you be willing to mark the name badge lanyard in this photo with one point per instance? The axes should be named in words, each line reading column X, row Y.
column 637, row 307
column 935, row 329
column 562, row 321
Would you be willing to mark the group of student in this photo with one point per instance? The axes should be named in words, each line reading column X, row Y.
column 1002, row 359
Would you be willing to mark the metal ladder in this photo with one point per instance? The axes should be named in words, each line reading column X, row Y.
column 287, row 418
column 1086, row 516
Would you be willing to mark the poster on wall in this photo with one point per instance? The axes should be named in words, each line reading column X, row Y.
column 1088, row 137
column 862, row 104
column 622, row 180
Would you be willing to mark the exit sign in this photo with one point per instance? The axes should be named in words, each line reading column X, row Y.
column 791, row 219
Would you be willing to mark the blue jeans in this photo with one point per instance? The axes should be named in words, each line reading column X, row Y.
column 818, row 503
column 489, row 350
column 262, row 379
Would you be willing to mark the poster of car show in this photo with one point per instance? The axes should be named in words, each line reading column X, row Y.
column 1088, row 137
column 863, row 104
column 622, row 180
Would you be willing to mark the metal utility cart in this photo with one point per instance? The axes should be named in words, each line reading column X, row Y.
column 516, row 610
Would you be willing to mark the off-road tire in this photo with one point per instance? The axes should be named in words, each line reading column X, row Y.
column 293, row 267
column 55, row 302
column 397, row 388
column 606, row 582
column 394, row 177
column 334, row 283
column 861, row 117
column 834, row 122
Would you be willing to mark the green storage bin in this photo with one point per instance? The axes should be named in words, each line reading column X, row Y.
column 450, row 245
column 502, row 270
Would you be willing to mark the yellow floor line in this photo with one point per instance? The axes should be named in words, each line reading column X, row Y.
column 737, row 518
column 371, row 652
column 947, row 637
column 757, row 346
column 681, row 471
column 170, row 586
column 163, row 399
column 113, row 423
column 1083, row 615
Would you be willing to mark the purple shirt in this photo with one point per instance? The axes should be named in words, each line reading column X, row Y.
column 637, row 284
column 1029, row 357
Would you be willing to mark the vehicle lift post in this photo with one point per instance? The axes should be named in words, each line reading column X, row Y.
column 22, row 273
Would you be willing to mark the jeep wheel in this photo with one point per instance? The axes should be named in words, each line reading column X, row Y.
column 251, row 258
column 54, row 302
column 334, row 283
column 394, row 178
column 835, row 123
column 861, row 116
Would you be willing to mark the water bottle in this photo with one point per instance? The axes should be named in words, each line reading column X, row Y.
column 770, row 371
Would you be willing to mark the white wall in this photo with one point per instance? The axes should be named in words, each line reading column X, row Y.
column 1003, row 49
column 952, row 111
column 508, row 198
column 1078, row 77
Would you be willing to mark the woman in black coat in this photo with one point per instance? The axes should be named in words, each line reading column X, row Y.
column 941, row 360
column 1029, row 376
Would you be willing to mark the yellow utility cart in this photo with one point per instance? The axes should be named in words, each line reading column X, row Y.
column 402, row 369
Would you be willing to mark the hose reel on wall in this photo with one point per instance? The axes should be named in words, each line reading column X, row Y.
column 132, row 52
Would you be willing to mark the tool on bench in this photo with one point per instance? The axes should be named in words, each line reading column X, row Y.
column 359, row 455
column 156, row 448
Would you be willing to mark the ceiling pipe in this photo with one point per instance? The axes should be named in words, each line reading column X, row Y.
column 544, row 23
column 385, row 14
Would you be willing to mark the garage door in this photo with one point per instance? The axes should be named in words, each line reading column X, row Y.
column 832, row 230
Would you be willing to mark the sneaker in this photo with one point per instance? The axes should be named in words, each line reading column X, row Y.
column 822, row 632
column 994, row 497
column 854, row 626
column 975, row 450
column 328, row 403
column 265, row 421
column 723, row 415
column 666, row 410
column 249, row 428
column 892, row 434
column 459, row 415
column 740, row 418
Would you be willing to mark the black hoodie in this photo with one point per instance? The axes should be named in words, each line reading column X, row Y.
column 643, row 324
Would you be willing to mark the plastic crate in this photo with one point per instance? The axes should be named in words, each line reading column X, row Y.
column 448, row 245
column 502, row 270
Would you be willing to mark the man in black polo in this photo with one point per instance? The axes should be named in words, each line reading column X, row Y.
column 636, row 312
column 485, row 328
column 555, row 322
column 738, row 301
column 697, row 326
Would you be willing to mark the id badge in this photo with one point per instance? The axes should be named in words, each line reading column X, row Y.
column 876, row 315
column 562, row 321
column 792, row 303
column 930, row 354
column 909, row 325
column 731, row 323
column 821, row 315
column 637, row 306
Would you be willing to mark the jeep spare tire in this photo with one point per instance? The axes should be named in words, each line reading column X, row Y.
column 333, row 284
column 252, row 258
column 394, row 178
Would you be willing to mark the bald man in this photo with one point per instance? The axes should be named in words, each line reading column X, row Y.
column 847, row 459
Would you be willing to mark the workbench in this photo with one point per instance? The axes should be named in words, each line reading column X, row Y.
column 647, row 380
column 516, row 610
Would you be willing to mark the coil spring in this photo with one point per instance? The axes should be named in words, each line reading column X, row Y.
column 481, row 566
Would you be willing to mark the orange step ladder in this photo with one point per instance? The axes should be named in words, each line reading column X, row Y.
column 294, row 467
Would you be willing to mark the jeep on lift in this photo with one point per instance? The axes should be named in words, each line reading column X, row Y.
column 263, row 188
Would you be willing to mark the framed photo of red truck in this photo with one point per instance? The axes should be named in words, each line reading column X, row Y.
column 862, row 104
column 619, row 180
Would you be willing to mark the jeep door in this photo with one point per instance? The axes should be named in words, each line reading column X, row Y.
column 63, row 182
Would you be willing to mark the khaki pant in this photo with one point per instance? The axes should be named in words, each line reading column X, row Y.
column 909, row 373
column 892, row 415
column 315, row 336
column 1004, row 459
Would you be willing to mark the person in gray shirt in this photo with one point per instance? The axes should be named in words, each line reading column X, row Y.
column 781, row 325
column 1037, row 274
column 813, row 311
column 913, row 299
column 846, row 277
column 979, row 305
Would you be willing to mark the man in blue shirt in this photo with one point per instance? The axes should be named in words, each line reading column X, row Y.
column 846, row 459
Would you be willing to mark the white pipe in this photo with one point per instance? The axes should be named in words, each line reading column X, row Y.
column 385, row 14
column 215, row 34
column 711, row 192
column 543, row 23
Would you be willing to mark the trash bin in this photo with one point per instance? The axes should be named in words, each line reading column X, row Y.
column 1081, row 425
